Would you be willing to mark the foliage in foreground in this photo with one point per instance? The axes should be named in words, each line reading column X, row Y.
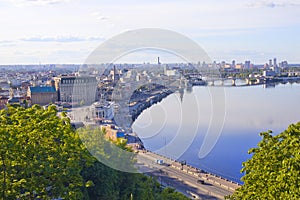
column 273, row 172
column 41, row 157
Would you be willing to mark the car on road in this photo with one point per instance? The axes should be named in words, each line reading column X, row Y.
column 159, row 161
column 200, row 181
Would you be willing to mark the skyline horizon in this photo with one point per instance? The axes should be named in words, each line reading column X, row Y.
column 67, row 31
column 146, row 62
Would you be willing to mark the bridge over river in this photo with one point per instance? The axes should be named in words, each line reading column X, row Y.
column 236, row 82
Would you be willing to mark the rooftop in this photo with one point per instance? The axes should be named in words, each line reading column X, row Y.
column 42, row 89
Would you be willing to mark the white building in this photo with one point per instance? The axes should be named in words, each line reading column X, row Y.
column 104, row 110
column 98, row 111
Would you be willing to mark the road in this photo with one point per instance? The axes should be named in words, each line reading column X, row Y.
column 184, row 179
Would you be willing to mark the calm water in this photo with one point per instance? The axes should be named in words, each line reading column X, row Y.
column 177, row 127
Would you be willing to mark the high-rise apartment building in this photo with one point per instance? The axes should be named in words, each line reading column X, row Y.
column 247, row 64
column 275, row 62
column 233, row 64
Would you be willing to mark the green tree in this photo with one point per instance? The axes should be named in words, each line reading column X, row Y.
column 111, row 153
column 113, row 184
column 40, row 155
column 171, row 194
column 273, row 172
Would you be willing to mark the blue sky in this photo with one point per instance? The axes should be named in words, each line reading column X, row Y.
column 67, row 31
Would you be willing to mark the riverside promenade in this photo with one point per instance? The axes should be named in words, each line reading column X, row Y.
column 184, row 178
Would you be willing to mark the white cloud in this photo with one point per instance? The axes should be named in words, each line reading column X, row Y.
column 274, row 4
column 62, row 39
column 37, row 2
column 7, row 43
column 100, row 16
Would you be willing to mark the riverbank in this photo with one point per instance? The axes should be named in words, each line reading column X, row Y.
column 156, row 97
column 186, row 179
column 143, row 99
column 249, row 111
column 207, row 176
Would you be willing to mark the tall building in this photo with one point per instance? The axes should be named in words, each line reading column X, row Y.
column 223, row 63
column 115, row 74
column 284, row 64
column 247, row 64
column 270, row 63
column 233, row 64
column 275, row 62
column 80, row 89
column 214, row 65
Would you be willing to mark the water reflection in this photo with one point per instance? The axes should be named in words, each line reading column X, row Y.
column 249, row 111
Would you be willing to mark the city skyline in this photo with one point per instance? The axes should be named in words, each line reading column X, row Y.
column 67, row 31
column 247, row 63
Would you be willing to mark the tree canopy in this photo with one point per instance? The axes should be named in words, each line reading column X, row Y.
column 42, row 157
column 39, row 155
column 273, row 172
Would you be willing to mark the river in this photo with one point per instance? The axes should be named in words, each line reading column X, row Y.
column 176, row 127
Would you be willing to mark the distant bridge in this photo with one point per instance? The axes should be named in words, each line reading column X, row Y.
column 232, row 81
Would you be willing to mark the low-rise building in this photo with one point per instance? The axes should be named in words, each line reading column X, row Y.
column 15, row 100
column 113, row 132
column 42, row 95
column 3, row 101
column 103, row 110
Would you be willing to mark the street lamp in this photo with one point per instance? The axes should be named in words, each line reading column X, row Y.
column 182, row 163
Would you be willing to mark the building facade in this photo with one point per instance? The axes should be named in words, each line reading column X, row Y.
column 42, row 95
column 3, row 101
column 76, row 89
column 103, row 110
